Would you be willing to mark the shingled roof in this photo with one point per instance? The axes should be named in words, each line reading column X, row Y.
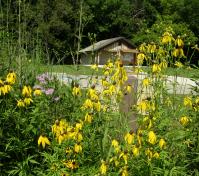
column 103, row 43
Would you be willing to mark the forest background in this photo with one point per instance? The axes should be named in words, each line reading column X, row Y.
column 55, row 30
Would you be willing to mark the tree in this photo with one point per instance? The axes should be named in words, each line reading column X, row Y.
column 111, row 18
column 190, row 15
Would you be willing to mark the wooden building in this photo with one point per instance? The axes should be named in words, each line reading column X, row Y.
column 103, row 50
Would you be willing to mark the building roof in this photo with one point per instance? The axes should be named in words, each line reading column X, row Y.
column 103, row 43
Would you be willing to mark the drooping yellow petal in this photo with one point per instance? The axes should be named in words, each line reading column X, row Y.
column 152, row 137
column 27, row 91
column 115, row 143
column 103, row 168
column 43, row 141
column 162, row 143
column 135, row 151
column 184, row 120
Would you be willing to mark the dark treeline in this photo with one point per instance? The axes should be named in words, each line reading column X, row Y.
column 60, row 28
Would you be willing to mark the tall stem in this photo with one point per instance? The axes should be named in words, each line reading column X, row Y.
column 19, row 43
column 79, row 32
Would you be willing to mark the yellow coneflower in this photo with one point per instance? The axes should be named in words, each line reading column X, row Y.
column 5, row 89
column 68, row 150
column 148, row 122
column 103, row 167
column 43, row 140
column 92, row 94
column 162, row 143
column 129, row 137
column 115, row 143
column 135, row 151
column 112, row 89
column 11, row 78
column 118, row 63
column 27, row 101
column 184, row 120
column 60, row 138
column 124, row 171
column 76, row 91
column 20, row 103
column 139, row 137
column 91, row 91
column 152, row 137
column 106, row 93
column 149, row 153
column 120, row 75
column 145, row 82
column 88, row 104
column 88, row 117
column 142, row 106
column 59, row 127
column 151, row 48
column 156, row 68
column 104, row 82
column 37, row 92
column 106, row 72
column 27, row 91
column 140, row 58
column 116, row 146
column 115, row 160
column 78, row 148
column 71, row 164
column 110, row 64
column 65, row 174
column 128, row 88
column 188, row 101
column 79, row 137
column 163, row 64
column 78, row 126
column 179, row 42
column 156, row 155
column 94, row 67
column 178, row 64
column 167, row 38
column 142, row 47
column 124, row 155
column 71, row 133
column 178, row 52
column 97, row 106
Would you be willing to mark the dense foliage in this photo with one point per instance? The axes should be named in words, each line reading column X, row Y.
column 58, row 29
column 56, row 129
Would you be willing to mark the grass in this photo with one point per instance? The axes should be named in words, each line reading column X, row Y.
column 182, row 72
column 86, row 70
column 68, row 69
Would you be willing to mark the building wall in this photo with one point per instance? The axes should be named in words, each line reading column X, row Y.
column 111, row 52
column 104, row 56
column 117, row 46
column 128, row 58
column 85, row 59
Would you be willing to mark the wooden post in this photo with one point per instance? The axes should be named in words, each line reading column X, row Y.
column 98, row 60
column 129, row 100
